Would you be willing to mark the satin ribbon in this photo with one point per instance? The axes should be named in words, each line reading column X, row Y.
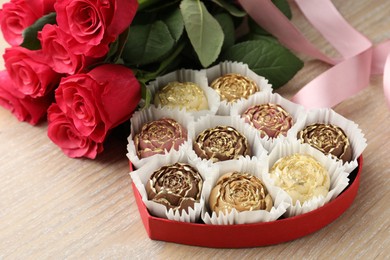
column 351, row 72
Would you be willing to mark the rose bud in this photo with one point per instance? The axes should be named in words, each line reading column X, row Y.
column 240, row 191
column 232, row 87
column 301, row 176
column 270, row 119
column 17, row 15
column 93, row 25
column 159, row 136
column 221, row 143
column 327, row 138
column 177, row 186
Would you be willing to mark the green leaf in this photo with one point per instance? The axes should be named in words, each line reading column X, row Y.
column 254, row 37
column 226, row 22
column 232, row 9
column 266, row 58
column 147, row 43
column 146, row 76
column 116, row 48
column 204, row 32
column 175, row 24
column 30, row 34
column 146, row 95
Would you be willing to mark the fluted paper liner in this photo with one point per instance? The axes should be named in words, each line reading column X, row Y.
column 227, row 67
column 337, row 174
column 186, row 75
column 151, row 114
column 211, row 121
column 141, row 176
column 296, row 111
column 252, row 166
column 353, row 132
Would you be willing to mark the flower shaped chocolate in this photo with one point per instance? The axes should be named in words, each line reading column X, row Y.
column 160, row 135
column 177, row 186
column 232, row 87
column 186, row 95
column 327, row 138
column 241, row 191
column 221, row 143
column 270, row 119
column 301, row 176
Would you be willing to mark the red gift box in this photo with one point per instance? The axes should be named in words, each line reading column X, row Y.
column 249, row 235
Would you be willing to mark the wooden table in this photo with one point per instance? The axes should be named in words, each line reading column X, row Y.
column 55, row 207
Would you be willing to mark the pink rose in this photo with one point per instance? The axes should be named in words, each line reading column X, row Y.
column 23, row 107
column 96, row 102
column 30, row 72
column 94, row 24
column 17, row 15
column 55, row 47
column 63, row 133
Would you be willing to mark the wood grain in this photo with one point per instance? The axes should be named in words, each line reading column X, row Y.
column 55, row 207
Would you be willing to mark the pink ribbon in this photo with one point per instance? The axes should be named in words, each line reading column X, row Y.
column 350, row 73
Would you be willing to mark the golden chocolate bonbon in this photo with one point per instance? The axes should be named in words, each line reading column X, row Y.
column 181, row 95
column 233, row 86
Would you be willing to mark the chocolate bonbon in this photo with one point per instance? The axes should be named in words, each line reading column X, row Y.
column 221, row 143
column 269, row 119
column 241, row 191
column 233, row 86
column 180, row 95
column 177, row 186
column 157, row 136
column 301, row 176
column 327, row 138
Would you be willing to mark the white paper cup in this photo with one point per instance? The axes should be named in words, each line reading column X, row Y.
column 183, row 75
column 252, row 166
column 337, row 175
column 296, row 111
column 151, row 114
column 210, row 121
column 141, row 176
column 355, row 135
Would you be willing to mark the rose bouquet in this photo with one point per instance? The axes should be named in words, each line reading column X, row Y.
column 86, row 63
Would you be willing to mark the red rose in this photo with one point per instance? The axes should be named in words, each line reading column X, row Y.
column 17, row 15
column 23, row 107
column 78, row 96
column 63, row 133
column 56, row 48
column 94, row 24
column 96, row 102
column 30, row 72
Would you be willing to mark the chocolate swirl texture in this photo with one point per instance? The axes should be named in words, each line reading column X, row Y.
column 241, row 191
column 186, row 95
column 269, row 119
column 157, row 136
column 301, row 176
column 221, row 143
column 177, row 186
column 327, row 138
column 233, row 86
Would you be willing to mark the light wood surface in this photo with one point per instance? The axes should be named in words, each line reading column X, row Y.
column 55, row 207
